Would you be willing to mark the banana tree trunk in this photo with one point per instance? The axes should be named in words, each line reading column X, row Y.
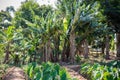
column 107, row 47
column 86, row 49
column 81, row 48
column 42, row 56
column 56, row 44
column 46, row 53
column 63, row 52
column 49, row 50
column 7, row 54
column 118, row 46
column 24, row 57
column 102, row 48
column 72, row 47
column 66, row 51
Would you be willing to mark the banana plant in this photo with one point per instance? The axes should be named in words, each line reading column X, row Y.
column 46, row 32
column 79, row 16
column 12, row 42
column 6, row 40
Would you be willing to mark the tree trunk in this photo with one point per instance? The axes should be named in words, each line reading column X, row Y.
column 102, row 48
column 63, row 52
column 118, row 46
column 49, row 50
column 45, row 52
column 24, row 57
column 80, row 48
column 7, row 54
column 42, row 58
column 6, row 57
column 57, row 43
column 86, row 49
column 66, row 50
column 107, row 45
column 72, row 47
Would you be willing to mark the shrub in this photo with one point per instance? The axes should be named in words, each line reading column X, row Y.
column 46, row 71
column 100, row 72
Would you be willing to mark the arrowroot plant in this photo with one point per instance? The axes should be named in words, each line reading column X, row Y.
column 101, row 72
column 46, row 71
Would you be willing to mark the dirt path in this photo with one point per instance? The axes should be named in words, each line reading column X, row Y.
column 14, row 73
column 73, row 70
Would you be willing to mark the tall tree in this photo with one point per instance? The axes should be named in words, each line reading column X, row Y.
column 79, row 16
column 112, row 11
column 44, row 29
column 5, row 19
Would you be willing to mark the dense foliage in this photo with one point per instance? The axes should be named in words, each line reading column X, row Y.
column 71, row 31
column 46, row 71
column 101, row 72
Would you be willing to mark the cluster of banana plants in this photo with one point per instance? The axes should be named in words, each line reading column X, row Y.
column 101, row 72
column 31, row 35
column 46, row 71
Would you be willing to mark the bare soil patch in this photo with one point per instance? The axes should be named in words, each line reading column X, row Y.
column 14, row 73
column 73, row 70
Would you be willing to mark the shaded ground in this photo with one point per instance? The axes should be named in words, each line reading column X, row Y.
column 73, row 70
column 14, row 73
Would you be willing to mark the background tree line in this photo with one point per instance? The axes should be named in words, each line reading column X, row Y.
column 43, row 33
